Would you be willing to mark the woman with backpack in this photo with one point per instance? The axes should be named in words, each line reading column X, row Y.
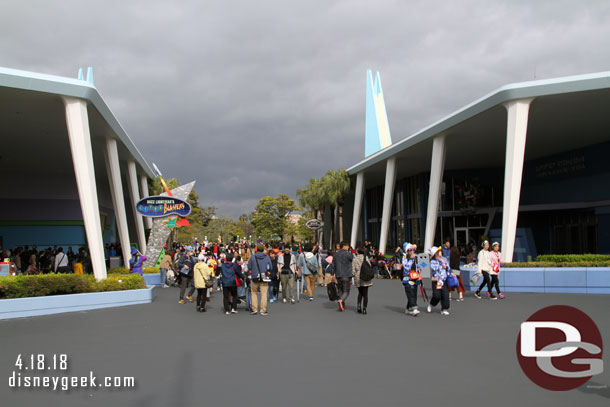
column 410, row 278
column 231, row 276
column 363, row 278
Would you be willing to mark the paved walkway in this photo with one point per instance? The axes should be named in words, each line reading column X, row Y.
column 306, row 354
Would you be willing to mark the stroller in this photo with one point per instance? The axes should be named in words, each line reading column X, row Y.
column 173, row 280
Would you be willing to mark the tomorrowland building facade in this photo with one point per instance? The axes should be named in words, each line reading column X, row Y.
column 526, row 165
column 71, row 175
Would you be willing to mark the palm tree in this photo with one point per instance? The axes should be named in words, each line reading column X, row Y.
column 315, row 198
column 336, row 185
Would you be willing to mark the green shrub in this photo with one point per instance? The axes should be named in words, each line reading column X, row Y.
column 118, row 283
column 573, row 258
column 559, row 264
column 58, row 284
column 125, row 270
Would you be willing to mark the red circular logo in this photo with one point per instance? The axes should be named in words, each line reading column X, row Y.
column 560, row 348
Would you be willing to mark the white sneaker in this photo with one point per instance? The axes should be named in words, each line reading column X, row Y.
column 284, row 301
column 233, row 311
column 444, row 312
column 416, row 312
column 429, row 308
column 227, row 313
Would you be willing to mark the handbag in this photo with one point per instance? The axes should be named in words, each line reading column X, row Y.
column 331, row 289
column 452, row 281
column 414, row 275
column 209, row 283
column 263, row 278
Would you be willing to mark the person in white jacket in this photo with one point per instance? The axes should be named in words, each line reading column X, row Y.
column 484, row 267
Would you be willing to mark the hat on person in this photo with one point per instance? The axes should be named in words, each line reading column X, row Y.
column 484, row 243
column 433, row 250
column 134, row 251
column 201, row 257
column 495, row 244
column 410, row 246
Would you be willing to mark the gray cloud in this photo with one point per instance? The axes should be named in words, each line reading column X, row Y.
column 252, row 98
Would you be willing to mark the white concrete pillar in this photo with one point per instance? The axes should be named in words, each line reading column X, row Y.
column 388, row 199
column 516, row 132
column 118, row 201
column 77, row 121
column 436, row 179
column 357, row 207
column 135, row 197
column 145, row 194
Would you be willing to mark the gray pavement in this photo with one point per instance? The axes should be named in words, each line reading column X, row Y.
column 307, row 354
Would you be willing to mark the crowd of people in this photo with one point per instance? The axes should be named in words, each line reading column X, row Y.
column 256, row 275
column 30, row 260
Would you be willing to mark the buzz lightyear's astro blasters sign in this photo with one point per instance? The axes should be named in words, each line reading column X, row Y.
column 162, row 206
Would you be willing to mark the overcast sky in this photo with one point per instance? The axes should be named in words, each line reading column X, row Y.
column 252, row 98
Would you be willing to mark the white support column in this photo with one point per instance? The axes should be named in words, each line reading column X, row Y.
column 118, row 201
column 357, row 207
column 135, row 197
column 77, row 121
column 516, row 132
column 436, row 178
column 145, row 194
column 388, row 199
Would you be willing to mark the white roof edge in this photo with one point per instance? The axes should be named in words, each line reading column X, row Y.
column 63, row 86
column 512, row 91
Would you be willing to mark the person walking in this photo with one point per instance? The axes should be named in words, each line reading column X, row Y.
column 410, row 278
column 494, row 274
column 454, row 264
column 439, row 270
column 484, row 267
column 231, row 276
column 186, row 264
column 327, row 265
column 259, row 268
column 287, row 266
column 308, row 263
column 317, row 251
column 342, row 273
column 166, row 264
column 360, row 263
column 274, row 284
column 202, row 276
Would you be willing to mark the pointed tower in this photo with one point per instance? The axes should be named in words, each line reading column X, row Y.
column 377, row 129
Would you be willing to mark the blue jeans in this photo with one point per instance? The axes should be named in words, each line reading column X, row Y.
column 273, row 289
column 163, row 276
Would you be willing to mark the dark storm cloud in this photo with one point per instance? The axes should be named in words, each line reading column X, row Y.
column 253, row 98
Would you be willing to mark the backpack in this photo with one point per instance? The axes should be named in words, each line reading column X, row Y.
column 366, row 272
column 312, row 267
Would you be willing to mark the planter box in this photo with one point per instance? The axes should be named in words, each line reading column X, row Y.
column 152, row 279
column 56, row 304
column 577, row 280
